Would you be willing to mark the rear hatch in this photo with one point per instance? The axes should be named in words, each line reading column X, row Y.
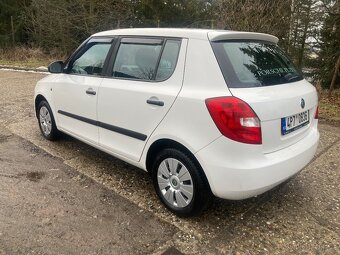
column 276, row 107
column 259, row 73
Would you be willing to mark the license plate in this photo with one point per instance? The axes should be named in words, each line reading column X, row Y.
column 294, row 122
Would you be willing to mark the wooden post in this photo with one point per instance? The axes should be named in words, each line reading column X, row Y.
column 12, row 27
column 331, row 87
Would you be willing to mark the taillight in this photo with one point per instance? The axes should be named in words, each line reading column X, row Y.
column 317, row 113
column 235, row 119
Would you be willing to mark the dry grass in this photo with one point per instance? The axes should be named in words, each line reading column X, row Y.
column 329, row 108
column 27, row 57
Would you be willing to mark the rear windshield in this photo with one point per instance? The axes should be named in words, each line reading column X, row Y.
column 246, row 64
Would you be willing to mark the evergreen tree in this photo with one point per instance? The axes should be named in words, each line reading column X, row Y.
column 11, row 25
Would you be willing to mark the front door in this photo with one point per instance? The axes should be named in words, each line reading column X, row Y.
column 76, row 91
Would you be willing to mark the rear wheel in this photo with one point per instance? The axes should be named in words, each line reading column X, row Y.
column 180, row 184
column 46, row 121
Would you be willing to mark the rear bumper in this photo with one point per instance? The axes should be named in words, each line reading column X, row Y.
column 238, row 171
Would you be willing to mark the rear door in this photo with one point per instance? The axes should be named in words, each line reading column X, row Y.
column 144, row 80
column 259, row 73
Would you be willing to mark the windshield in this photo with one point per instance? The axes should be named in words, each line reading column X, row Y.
column 247, row 64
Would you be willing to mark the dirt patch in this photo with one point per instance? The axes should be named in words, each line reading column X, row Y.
column 172, row 251
column 35, row 176
column 3, row 138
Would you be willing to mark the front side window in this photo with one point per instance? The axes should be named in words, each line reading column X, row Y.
column 91, row 61
column 247, row 64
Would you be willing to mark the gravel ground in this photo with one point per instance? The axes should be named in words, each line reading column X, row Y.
column 298, row 217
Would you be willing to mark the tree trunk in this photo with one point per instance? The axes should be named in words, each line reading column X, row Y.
column 291, row 24
column 336, row 70
column 12, row 27
column 304, row 37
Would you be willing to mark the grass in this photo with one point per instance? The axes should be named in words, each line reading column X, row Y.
column 32, row 63
column 27, row 57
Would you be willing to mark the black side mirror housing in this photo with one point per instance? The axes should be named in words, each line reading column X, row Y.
column 56, row 67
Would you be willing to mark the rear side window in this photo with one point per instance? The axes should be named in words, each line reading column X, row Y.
column 168, row 60
column 146, row 59
column 247, row 64
column 137, row 60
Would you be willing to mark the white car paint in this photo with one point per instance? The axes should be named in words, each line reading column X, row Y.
column 234, row 170
column 233, row 176
column 69, row 94
column 130, row 110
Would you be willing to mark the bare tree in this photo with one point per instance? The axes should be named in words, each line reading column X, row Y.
column 295, row 22
column 306, row 17
column 268, row 16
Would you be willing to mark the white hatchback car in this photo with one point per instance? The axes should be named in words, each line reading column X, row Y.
column 206, row 112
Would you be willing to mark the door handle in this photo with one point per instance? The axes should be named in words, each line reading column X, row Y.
column 90, row 91
column 155, row 102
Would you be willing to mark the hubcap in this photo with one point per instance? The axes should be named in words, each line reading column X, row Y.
column 175, row 182
column 45, row 120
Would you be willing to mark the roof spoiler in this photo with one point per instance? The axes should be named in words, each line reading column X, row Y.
column 231, row 35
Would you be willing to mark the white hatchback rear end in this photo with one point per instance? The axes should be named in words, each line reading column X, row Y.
column 285, row 106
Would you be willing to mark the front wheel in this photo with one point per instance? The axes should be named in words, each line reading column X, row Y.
column 46, row 121
column 180, row 183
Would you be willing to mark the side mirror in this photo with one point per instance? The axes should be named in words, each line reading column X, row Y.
column 56, row 67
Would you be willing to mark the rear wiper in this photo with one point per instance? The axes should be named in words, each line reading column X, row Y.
column 291, row 77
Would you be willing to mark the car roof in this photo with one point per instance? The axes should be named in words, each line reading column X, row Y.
column 202, row 34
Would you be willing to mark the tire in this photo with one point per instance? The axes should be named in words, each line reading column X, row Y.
column 46, row 121
column 175, row 175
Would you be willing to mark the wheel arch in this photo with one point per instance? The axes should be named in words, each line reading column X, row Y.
column 166, row 143
column 37, row 101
